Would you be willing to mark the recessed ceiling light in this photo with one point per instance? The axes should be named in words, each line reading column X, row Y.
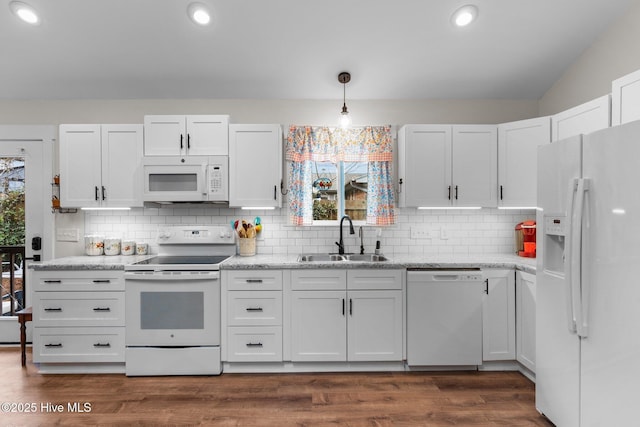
column 464, row 15
column 199, row 14
column 25, row 12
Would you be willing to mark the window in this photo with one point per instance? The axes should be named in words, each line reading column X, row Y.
column 339, row 189
column 333, row 172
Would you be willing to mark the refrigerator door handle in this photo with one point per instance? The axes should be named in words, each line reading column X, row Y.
column 581, row 187
column 583, row 323
column 568, row 259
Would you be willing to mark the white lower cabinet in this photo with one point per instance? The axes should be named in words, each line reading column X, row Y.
column 346, row 315
column 79, row 321
column 526, row 319
column 252, row 316
column 499, row 316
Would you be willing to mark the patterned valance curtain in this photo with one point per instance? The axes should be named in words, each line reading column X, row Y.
column 307, row 144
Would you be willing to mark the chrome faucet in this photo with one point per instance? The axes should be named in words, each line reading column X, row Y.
column 351, row 231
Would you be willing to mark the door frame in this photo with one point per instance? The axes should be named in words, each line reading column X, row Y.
column 39, row 221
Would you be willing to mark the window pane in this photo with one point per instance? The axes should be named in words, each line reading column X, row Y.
column 325, row 191
column 355, row 189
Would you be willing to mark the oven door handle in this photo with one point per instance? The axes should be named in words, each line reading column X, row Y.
column 169, row 277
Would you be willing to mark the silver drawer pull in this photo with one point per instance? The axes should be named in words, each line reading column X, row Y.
column 53, row 281
column 102, row 345
column 102, row 309
column 53, row 309
column 254, row 309
column 254, row 344
column 102, row 281
column 254, row 280
column 53, row 345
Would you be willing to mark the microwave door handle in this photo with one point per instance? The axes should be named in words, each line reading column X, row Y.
column 204, row 177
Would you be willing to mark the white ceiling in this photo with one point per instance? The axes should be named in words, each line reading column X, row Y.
column 294, row 49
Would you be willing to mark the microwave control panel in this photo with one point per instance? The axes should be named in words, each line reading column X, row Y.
column 217, row 182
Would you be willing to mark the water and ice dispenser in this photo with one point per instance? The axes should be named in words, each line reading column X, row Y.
column 555, row 233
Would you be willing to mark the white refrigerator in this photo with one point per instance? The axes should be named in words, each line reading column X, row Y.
column 588, row 285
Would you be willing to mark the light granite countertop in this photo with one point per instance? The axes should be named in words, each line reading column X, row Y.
column 394, row 261
column 291, row 262
column 101, row 262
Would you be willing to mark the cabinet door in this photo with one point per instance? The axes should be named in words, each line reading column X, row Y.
column 255, row 165
column 121, row 171
column 475, row 156
column 80, row 166
column 164, row 135
column 526, row 319
column 625, row 99
column 498, row 316
column 374, row 326
column 585, row 118
column 318, row 326
column 207, row 135
column 518, row 160
column 425, row 165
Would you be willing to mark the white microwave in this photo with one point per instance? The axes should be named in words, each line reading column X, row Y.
column 186, row 179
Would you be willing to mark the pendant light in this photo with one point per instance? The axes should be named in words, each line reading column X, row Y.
column 345, row 118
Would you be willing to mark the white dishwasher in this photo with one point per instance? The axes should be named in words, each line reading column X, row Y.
column 444, row 317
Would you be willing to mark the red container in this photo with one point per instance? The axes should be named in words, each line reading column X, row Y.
column 525, row 234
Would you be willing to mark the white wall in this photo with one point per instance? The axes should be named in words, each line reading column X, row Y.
column 488, row 231
column 614, row 54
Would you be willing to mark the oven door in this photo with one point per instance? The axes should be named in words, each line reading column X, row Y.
column 172, row 308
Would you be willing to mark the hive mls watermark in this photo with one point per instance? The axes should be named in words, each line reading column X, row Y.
column 45, row 407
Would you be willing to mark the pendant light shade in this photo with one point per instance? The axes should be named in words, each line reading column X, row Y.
column 345, row 118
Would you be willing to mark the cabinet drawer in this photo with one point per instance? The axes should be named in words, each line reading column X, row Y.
column 257, row 308
column 250, row 280
column 78, row 309
column 86, row 280
column 254, row 344
column 302, row 280
column 374, row 279
column 78, row 345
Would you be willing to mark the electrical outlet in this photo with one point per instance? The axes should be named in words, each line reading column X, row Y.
column 67, row 234
column 444, row 234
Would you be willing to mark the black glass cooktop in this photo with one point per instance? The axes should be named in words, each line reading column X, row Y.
column 192, row 260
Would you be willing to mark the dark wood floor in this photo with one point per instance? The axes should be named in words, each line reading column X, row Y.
column 350, row 399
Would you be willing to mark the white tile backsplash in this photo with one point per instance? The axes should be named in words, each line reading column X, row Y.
column 486, row 231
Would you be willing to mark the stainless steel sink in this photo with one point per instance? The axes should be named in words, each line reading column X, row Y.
column 341, row 258
column 366, row 257
column 321, row 257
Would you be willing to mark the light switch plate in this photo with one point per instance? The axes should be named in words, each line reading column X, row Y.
column 67, row 234
column 421, row 232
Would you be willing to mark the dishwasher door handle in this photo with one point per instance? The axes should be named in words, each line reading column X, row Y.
column 446, row 277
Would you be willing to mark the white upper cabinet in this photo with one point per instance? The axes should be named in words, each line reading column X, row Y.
column 255, row 165
column 475, row 156
column 444, row 165
column 197, row 135
column 625, row 99
column 585, row 118
column 100, row 165
column 517, row 160
column 424, row 153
